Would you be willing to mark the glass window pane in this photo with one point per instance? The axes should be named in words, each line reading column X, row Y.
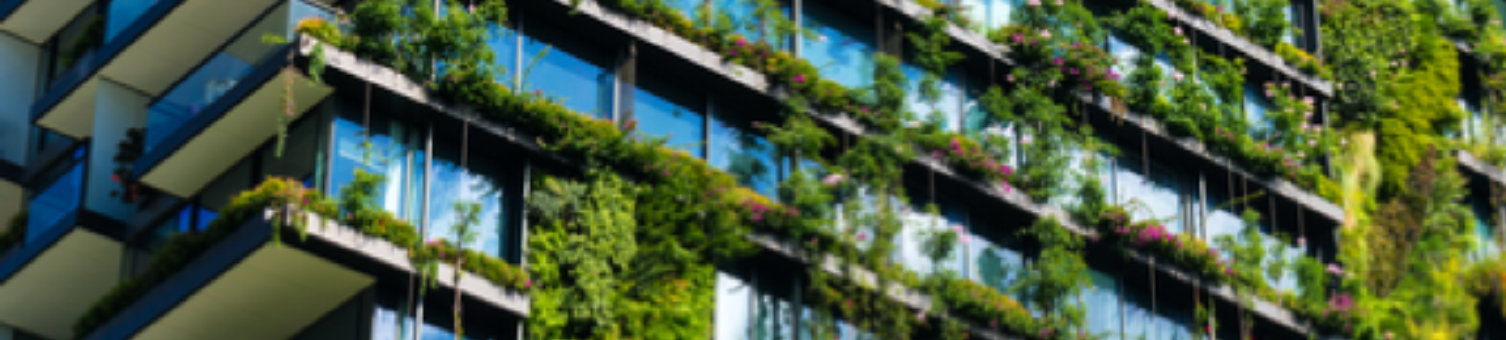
column 1102, row 301
column 503, row 41
column 989, row 14
column 1256, row 106
column 732, row 308
column 992, row 263
column 1125, row 55
column 580, row 82
column 56, row 201
column 1485, row 233
column 947, row 104
column 391, row 151
column 1157, row 195
column 666, row 111
column 481, row 185
column 747, row 156
column 843, row 48
column 1221, row 218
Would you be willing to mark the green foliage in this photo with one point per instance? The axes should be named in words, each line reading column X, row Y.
column 1264, row 21
column 581, row 241
column 931, row 54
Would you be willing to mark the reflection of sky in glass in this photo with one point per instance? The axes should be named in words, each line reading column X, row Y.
column 451, row 185
column 747, row 156
column 1125, row 55
column 947, row 102
column 504, row 44
column 1138, row 319
column 1222, row 220
column 992, row 265
column 1255, row 109
column 843, row 49
column 122, row 13
column 386, row 157
column 773, row 317
column 1158, row 193
column 917, row 228
column 732, row 297
column 577, row 83
column 657, row 116
column 989, row 13
column 385, row 326
column 1102, row 301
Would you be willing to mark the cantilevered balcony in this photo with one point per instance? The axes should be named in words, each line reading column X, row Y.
column 284, row 286
column 67, row 259
column 228, row 105
column 36, row 20
column 145, row 45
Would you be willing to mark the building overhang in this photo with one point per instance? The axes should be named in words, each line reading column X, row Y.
column 282, row 286
column 229, row 129
column 49, row 281
column 156, row 50
column 37, row 20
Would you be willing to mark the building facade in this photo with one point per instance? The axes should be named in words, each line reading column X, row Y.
column 133, row 129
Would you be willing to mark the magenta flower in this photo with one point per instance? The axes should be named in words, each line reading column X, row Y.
column 862, row 236
column 1018, row 38
column 1333, row 268
column 1057, row 61
column 800, row 78
column 742, row 42
column 527, row 283
column 833, row 179
column 1177, row 30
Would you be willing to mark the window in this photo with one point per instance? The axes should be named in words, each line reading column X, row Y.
column 504, row 42
column 1256, row 105
column 1222, row 218
column 1102, row 301
column 1124, row 54
column 1159, row 192
column 568, row 70
column 667, row 111
column 745, row 155
column 948, row 103
column 843, row 48
column 389, row 148
column 482, row 182
column 990, row 14
column 918, row 227
column 991, row 260
column 1485, row 232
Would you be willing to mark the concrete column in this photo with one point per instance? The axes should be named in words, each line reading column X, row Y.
column 18, row 68
column 117, row 108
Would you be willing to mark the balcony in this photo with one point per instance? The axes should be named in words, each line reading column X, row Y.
column 285, row 287
column 36, row 20
column 145, row 45
column 226, row 107
column 58, row 269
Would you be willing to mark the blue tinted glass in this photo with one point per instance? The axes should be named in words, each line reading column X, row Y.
column 122, row 13
column 504, row 44
column 747, row 156
column 1159, row 193
column 742, row 15
column 843, row 47
column 390, row 154
column 205, row 216
column 1484, row 232
column 1256, row 106
column 686, row 7
column 1125, row 55
column 452, row 184
column 1222, row 220
column 947, row 104
column 1139, row 320
column 577, row 83
column 1102, row 300
column 680, row 120
column 56, row 201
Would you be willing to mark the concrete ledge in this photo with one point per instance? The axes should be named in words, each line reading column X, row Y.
column 395, row 257
column 1480, row 167
column 1244, row 46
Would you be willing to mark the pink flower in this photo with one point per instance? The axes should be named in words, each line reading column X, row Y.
column 1033, row 3
column 1020, row 38
column 1045, row 34
column 1177, row 30
column 1057, row 60
column 1025, row 140
column 800, row 78
column 1004, row 168
column 1177, row 75
column 742, row 42
column 1302, row 241
column 862, row 236
column 527, row 283
column 961, row 233
column 1333, row 268
column 833, row 179
column 1388, row 335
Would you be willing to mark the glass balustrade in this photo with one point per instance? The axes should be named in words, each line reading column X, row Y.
column 224, row 69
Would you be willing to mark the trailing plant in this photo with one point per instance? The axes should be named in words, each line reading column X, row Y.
column 127, row 151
